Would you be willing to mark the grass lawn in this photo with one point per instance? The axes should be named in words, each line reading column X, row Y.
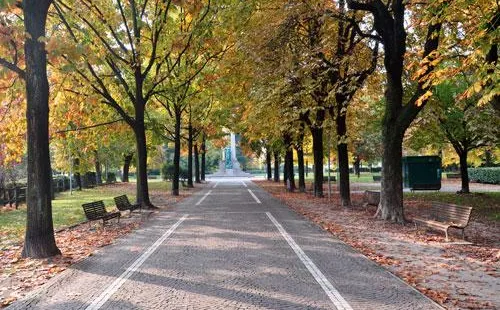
column 486, row 205
column 67, row 209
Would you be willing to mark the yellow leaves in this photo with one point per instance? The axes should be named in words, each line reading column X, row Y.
column 423, row 98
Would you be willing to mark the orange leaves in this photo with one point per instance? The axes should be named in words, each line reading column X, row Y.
column 457, row 276
column 76, row 244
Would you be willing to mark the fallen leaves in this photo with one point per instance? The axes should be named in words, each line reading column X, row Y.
column 19, row 275
column 421, row 258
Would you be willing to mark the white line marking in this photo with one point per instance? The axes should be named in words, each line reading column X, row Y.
column 253, row 195
column 101, row 300
column 203, row 198
column 334, row 295
column 245, row 184
column 216, row 183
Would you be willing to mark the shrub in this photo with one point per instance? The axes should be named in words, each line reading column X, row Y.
column 167, row 172
column 485, row 175
column 111, row 178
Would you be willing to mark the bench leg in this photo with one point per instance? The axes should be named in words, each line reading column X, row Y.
column 463, row 234
column 446, row 233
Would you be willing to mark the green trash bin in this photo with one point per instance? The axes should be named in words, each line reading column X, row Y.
column 422, row 172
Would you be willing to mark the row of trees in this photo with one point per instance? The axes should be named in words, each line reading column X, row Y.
column 138, row 74
column 121, row 73
column 315, row 63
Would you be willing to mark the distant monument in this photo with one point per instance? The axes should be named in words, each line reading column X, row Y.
column 229, row 165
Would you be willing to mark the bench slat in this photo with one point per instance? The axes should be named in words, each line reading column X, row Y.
column 123, row 204
column 445, row 216
column 96, row 211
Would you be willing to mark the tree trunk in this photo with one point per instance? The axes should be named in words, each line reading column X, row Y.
column 290, row 178
column 39, row 241
column 268, row 165
column 203, row 158
column 300, row 162
column 391, row 195
column 196, row 164
column 78, row 176
column 127, row 159
column 190, row 156
column 142, row 190
column 357, row 166
column 464, row 173
column 343, row 158
column 177, row 153
column 98, row 169
column 276, row 166
column 285, row 169
column 317, row 136
column 492, row 56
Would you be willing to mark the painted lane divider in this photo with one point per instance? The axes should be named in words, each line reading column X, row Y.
column 203, row 198
column 111, row 289
column 244, row 184
column 215, row 185
column 253, row 195
column 334, row 295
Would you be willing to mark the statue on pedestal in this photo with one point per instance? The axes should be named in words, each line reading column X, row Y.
column 229, row 165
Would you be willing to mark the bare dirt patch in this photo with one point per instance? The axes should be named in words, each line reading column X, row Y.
column 454, row 274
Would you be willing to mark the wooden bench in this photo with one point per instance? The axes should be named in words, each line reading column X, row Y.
column 95, row 211
column 332, row 178
column 123, row 204
column 443, row 216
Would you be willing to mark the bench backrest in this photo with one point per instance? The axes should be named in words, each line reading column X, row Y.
column 122, row 203
column 450, row 213
column 94, row 210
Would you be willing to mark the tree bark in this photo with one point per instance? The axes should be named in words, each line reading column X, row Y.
column 357, row 166
column 196, row 164
column 285, row 169
column 142, row 190
column 317, row 137
column 190, row 156
column 391, row 195
column 203, row 157
column 276, row 166
column 268, row 165
column 177, row 153
column 464, row 173
column 289, row 175
column 343, row 157
column 98, row 169
column 300, row 162
column 39, row 241
column 78, row 176
column 127, row 160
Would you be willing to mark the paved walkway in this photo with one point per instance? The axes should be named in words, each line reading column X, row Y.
column 230, row 246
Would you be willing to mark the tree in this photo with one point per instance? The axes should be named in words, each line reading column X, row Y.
column 135, row 46
column 465, row 125
column 39, row 236
column 39, row 239
column 389, row 24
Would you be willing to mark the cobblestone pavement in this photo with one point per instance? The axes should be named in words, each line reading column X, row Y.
column 230, row 246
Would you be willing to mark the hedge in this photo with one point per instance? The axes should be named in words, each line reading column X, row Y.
column 485, row 175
